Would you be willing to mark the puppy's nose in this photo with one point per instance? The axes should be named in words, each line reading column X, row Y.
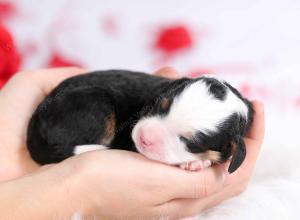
column 145, row 142
column 150, row 136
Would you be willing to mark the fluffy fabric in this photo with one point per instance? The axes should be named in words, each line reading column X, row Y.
column 273, row 192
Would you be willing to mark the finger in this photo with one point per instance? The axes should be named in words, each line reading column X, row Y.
column 44, row 80
column 168, row 72
column 175, row 209
column 254, row 139
column 182, row 208
column 258, row 127
column 26, row 90
column 185, row 184
column 48, row 79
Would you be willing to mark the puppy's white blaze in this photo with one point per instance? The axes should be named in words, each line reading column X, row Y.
column 172, row 150
column 86, row 148
column 196, row 109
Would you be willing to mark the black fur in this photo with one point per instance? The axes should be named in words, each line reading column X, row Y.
column 216, row 88
column 75, row 112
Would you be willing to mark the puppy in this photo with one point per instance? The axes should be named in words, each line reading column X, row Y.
column 187, row 122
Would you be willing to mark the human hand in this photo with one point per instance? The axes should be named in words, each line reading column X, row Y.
column 149, row 189
column 116, row 184
column 159, row 195
column 18, row 100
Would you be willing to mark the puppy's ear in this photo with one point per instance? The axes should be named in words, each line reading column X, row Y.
column 239, row 154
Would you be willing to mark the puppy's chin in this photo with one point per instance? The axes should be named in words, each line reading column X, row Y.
column 168, row 154
column 153, row 155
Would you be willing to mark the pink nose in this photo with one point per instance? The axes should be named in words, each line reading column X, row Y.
column 150, row 136
column 145, row 142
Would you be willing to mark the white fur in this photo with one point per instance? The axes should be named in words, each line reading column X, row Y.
column 86, row 148
column 171, row 151
column 196, row 109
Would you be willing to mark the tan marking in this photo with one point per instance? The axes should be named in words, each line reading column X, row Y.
column 164, row 104
column 110, row 127
column 233, row 147
column 211, row 155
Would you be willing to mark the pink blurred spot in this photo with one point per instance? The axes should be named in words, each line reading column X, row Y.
column 58, row 61
column 264, row 93
column 199, row 72
column 227, row 68
column 297, row 102
column 246, row 89
column 7, row 10
column 110, row 25
column 173, row 39
column 29, row 49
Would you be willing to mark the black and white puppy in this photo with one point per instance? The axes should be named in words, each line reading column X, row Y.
column 185, row 122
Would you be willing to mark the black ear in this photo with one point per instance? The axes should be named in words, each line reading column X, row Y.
column 239, row 154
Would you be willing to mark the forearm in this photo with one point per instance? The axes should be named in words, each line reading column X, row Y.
column 46, row 194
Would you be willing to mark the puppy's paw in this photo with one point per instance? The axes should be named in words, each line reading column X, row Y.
column 195, row 165
column 86, row 148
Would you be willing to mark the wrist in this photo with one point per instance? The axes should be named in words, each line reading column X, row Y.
column 45, row 194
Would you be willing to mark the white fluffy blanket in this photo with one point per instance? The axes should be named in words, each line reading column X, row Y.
column 273, row 193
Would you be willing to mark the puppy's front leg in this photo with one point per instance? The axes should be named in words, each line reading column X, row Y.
column 195, row 165
column 86, row 148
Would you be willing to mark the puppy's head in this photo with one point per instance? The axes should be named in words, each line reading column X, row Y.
column 194, row 119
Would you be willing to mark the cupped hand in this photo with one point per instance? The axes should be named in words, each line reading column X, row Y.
column 143, row 189
column 18, row 100
column 116, row 184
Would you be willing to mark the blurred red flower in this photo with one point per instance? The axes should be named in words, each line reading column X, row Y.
column 10, row 59
column 7, row 10
column 58, row 60
column 174, row 38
